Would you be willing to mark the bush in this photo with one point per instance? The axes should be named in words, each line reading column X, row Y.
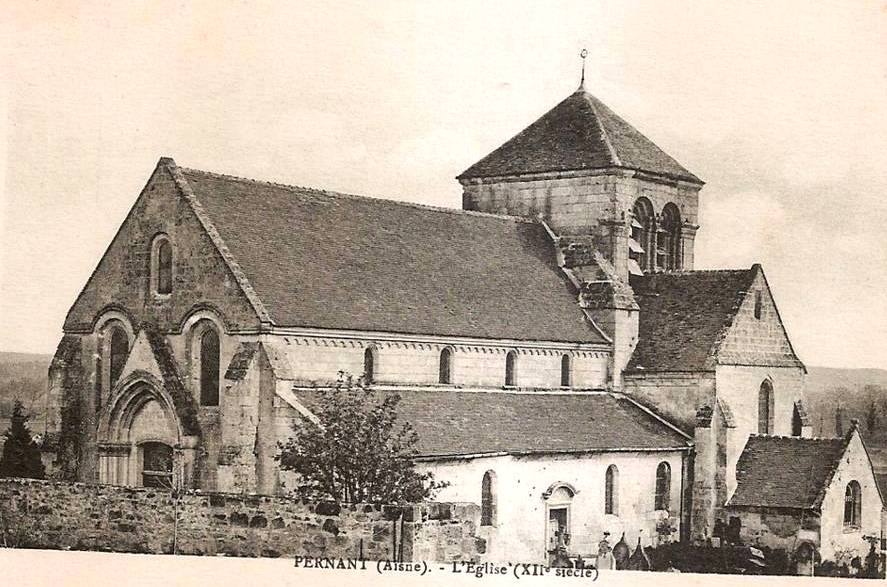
column 689, row 558
column 357, row 451
column 21, row 456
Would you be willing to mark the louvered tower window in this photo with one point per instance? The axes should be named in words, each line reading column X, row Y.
column 642, row 244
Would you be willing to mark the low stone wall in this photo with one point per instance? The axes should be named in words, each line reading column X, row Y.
column 60, row 515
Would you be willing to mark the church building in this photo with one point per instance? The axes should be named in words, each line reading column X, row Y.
column 564, row 365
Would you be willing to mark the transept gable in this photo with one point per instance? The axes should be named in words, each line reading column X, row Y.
column 756, row 334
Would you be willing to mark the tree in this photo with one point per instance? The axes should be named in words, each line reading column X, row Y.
column 873, row 394
column 355, row 452
column 21, row 455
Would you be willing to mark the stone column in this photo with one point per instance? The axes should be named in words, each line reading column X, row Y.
column 702, row 515
column 688, row 238
column 113, row 462
column 186, row 458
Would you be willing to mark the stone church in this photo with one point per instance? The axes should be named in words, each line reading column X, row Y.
column 564, row 365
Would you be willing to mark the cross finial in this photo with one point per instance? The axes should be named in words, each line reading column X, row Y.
column 583, row 54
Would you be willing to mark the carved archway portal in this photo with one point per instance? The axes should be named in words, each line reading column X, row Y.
column 138, row 432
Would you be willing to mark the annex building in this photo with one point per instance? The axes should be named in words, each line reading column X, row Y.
column 563, row 363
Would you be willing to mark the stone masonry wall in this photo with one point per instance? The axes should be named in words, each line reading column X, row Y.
column 199, row 271
column 777, row 528
column 596, row 203
column 757, row 341
column 56, row 515
column 418, row 363
column 676, row 396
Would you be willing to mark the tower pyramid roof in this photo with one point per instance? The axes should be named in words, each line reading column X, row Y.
column 580, row 133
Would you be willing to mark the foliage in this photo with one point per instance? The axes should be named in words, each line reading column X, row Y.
column 862, row 393
column 23, row 377
column 21, row 455
column 690, row 558
column 356, row 453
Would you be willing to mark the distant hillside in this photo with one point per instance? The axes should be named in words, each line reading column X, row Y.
column 23, row 377
column 855, row 392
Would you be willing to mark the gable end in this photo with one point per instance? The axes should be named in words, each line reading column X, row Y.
column 755, row 335
column 201, row 276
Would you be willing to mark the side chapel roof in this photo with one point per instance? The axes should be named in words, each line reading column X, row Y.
column 452, row 423
column 786, row 471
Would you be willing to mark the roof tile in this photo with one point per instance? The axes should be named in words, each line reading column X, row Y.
column 581, row 132
column 452, row 422
column 682, row 315
column 326, row 260
column 786, row 471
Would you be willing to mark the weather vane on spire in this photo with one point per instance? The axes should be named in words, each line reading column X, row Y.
column 583, row 54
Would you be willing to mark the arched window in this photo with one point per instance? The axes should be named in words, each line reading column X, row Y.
column 759, row 304
column 642, row 245
column 611, row 491
column 119, row 348
column 852, row 505
column 157, row 459
column 511, row 369
column 663, row 486
column 161, row 265
column 446, row 366
column 369, row 364
column 765, row 408
column 209, row 368
column 566, row 371
column 488, row 499
column 669, row 249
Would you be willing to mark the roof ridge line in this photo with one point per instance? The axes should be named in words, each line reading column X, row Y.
column 227, row 256
column 797, row 438
column 643, row 136
column 652, row 413
column 604, row 134
column 695, row 271
column 759, row 269
column 335, row 194
column 523, row 391
column 836, row 464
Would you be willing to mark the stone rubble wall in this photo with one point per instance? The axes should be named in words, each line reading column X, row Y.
column 77, row 516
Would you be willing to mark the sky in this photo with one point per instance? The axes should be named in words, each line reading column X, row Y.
column 781, row 107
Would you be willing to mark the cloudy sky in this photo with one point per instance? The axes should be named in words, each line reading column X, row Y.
column 780, row 107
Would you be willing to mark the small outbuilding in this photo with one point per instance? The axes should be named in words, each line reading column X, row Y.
column 795, row 493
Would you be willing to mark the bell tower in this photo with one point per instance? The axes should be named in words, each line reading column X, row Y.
column 587, row 172
column 616, row 204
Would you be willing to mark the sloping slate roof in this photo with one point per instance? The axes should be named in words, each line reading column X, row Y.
column 785, row 471
column 579, row 133
column 240, row 362
column 327, row 260
column 462, row 422
column 683, row 315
